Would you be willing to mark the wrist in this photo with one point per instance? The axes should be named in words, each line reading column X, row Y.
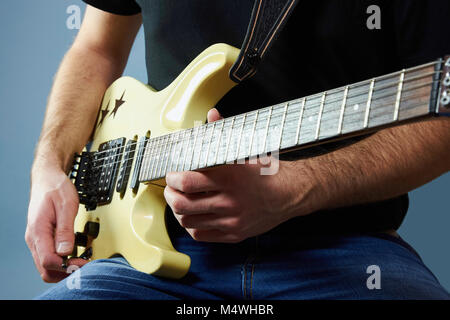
column 46, row 161
column 302, row 188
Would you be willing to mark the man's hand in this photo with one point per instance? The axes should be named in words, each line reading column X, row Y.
column 51, row 214
column 233, row 202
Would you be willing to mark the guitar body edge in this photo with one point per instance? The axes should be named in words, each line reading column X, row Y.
column 133, row 224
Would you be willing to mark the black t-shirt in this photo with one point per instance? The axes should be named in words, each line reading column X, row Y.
column 324, row 45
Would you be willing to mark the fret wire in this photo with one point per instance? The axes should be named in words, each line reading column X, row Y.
column 282, row 125
column 319, row 118
column 151, row 159
column 399, row 95
column 181, row 148
column 161, row 156
column 193, row 147
column 140, row 171
column 140, row 159
column 240, row 137
column 202, row 140
column 148, row 160
column 300, row 120
column 218, row 142
column 187, row 150
column 170, row 142
column 369, row 101
column 229, row 140
column 158, row 154
column 166, row 155
column 200, row 135
column 341, row 116
column 267, row 129
column 174, row 150
column 253, row 133
column 209, row 144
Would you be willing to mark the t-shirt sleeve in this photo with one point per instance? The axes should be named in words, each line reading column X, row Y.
column 121, row 7
column 421, row 30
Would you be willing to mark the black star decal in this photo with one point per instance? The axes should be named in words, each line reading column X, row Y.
column 119, row 102
column 103, row 114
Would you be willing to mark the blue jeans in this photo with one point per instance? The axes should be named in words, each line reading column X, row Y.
column 276, row 265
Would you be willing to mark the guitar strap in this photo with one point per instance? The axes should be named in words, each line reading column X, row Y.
column 267, row 20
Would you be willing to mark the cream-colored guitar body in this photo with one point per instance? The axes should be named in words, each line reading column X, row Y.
column 134, row 225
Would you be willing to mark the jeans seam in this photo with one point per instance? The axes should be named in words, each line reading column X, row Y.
column 244, row 278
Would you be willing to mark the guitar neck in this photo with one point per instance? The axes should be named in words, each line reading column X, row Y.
column 356, row 109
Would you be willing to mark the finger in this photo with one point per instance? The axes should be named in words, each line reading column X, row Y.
column 213, row 115
column 79, row 262
column 205, row 221
column 45, row 249
column 183, row 203
column 214, row 236
column 42, row 236
column 64, row 234
column 49, row 276
column 191, row 181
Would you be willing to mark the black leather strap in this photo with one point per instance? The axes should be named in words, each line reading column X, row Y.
column 267, row 20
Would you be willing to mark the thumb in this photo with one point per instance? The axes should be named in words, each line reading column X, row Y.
column 213, row 115
column 64, row 233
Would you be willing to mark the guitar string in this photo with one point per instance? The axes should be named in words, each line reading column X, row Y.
column 165, row 139
column 161, row 174
column 145, row 156
column 392, row 85
column 332, row 91
column 156, row 148
column 168, row 157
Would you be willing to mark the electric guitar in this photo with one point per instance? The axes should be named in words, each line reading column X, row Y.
column 141, row 134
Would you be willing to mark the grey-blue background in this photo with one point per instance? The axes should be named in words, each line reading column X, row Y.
column 33, row 40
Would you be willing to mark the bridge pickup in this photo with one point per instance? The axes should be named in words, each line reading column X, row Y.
column 110, row 153
column 137, row 167
column 125, row 168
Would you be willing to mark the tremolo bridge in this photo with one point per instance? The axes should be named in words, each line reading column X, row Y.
column 95, row 173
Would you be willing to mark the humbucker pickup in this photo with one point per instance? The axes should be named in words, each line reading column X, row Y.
column 125, row 168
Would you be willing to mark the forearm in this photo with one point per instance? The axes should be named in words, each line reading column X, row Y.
column 387, row 164
column 73, row 105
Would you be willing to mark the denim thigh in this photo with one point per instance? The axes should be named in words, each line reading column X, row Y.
column 270, row 266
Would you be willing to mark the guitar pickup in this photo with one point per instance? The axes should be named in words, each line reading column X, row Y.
column 110, row 153
column 125, row 168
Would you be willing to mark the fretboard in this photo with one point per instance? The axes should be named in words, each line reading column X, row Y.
column 334, row 114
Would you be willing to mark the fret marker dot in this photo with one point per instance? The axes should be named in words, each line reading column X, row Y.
column 356, row 107
column 310, row 119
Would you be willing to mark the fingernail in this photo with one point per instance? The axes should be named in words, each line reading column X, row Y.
column 64, row 247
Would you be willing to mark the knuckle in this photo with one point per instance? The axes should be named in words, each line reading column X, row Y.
column 236, row 237
column 178, row 205
column 63, row 234
column 27, row 237
column 184, row 221
column 186, row 183
column 46, row 277
column 196, row 234
column 226, row 204
column 231, row 224
column 69, row 205
column 64, row 230
column 46, row 263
